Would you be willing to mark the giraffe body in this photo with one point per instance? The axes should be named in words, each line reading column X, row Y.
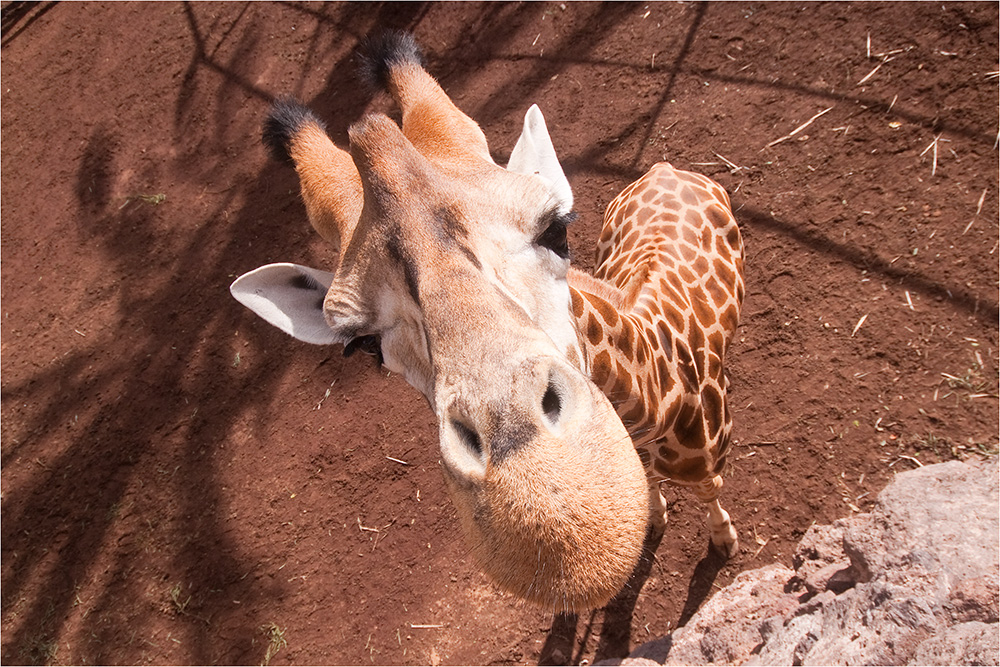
column 657, row 319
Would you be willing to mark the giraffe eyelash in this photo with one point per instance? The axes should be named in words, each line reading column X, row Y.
column 553, row 236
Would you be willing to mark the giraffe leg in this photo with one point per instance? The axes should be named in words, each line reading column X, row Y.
column 724, row 536
column 657, row 509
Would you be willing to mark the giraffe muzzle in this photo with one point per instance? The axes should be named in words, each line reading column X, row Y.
column 550, row 493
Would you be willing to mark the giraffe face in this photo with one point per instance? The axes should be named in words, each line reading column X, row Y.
column 437, row 259
column 458, row 268
column 463, row 279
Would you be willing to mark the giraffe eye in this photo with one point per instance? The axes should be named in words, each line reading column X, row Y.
column 554, row 236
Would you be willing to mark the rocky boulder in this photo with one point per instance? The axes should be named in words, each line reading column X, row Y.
column 914, row 582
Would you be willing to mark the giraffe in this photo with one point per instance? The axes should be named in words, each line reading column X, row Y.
column 436, row 245
column 657, row 318
column 454, row 269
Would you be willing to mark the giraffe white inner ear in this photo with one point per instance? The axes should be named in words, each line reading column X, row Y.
column 534, row 154
column 290, row 297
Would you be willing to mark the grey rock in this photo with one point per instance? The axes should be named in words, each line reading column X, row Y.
column 976, row 599
column 629, row 661
column 973, row 643
column 913, row 582
column 820, row 561
column 941, row 515
column 728, row 630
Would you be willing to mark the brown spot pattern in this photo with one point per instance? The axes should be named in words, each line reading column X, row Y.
column 688, row 196
column 667, row 454
column 604, row 309
column 711, row 401
column 662, row 364
column 717, row 216
column 576, row 303
column 600, row 371
column 594, row 330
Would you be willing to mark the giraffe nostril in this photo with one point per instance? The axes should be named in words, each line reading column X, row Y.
column 551, row 403
column 462, row 451
column 468, row 437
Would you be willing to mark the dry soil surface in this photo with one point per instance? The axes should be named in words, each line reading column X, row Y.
column 181, row 483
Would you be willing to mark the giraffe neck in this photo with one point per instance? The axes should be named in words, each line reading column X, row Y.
column 657, row 317
column 624, row 362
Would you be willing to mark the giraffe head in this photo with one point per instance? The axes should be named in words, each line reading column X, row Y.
column 456, row 269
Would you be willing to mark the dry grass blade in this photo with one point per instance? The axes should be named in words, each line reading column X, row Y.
column 733, row 167
column 858, row 325
column 759, row 540
column 365, row 528
column 892, row 52
column 276, row 641
column 982, row 198
column 798, row 129
column 933, row 146
column 154, row 200
column 908, row 458
column 870, row 74
column 979, row 209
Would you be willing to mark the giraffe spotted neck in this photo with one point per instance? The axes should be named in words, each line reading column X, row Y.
column 656, row 320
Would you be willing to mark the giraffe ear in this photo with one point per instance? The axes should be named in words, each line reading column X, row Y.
column 534, row 154
column 289, row 297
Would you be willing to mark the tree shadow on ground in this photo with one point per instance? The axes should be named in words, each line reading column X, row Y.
column 566, row 642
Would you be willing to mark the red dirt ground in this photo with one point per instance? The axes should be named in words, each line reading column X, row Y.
column 181, row 483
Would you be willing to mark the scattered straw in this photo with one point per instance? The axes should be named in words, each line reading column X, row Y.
column 885, row 55
column 870, row 74
column 759, row 540
column 979, row 209
column 154, row 200
column 366, row 528
column 933, row 145
column 379, row 532
column 733, row 167
column 276, row 641
column 908, row 458
column 798, row 129
column 326, row 394
column 858, row 325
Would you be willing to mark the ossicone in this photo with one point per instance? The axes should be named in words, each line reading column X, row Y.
column 378, row 54
column 286, row 119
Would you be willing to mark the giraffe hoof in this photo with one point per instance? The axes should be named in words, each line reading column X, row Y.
column 658, row 525
column 657, row 512
column 726, row 546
